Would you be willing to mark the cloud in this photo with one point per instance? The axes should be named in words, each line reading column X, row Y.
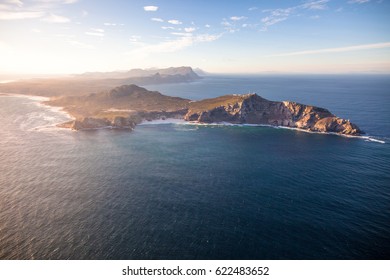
column 150, row 8
column 189, row 29
column 270, row 20
column 236, row 18
column 134, row 38
column 157, row 19
column 57, row 1
column 181, row 34
column 15, row 2
column 315, row 5
column 278, row 15
column 18, row 10
column 207, row 26
column 52, row 18
column 230, row 27
column 174, row 21
column 336, row 50
column 95, row 32
column 167, row 27
column 174, row 45
column 99, row 34
column 252, row 8
column 11, row 15
column 110, row 24
column 358, row 1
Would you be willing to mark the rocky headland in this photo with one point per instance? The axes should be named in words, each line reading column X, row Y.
column 128, row 105
column 253, row 109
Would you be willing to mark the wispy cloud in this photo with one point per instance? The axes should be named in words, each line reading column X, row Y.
column 110, row 24
column 134, row 38
column 237, row 18
column 182, row 34
column 15, row 2
column 11, row 15
column 157, row 19
column 98, row 34
column 315, row 5
column 336, row 50
column 252, row 8
column 52, row 18
column 358, row 1
column 57, row 1
column 95, row 32
column 150, row 8
column 98, row 30
column 278, row 15
column 189, row 29
column 174, row 45
column 174, row 21
column 37, row 9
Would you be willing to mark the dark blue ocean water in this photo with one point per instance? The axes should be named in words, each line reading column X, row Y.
column 179, row 191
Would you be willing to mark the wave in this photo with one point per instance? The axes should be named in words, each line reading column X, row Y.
column 44, row 118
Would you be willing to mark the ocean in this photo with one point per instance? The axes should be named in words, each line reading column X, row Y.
column 185, row 191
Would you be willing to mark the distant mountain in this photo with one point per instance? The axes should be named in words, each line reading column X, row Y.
column 136, row 73
column 96, row 82
column 200, row 72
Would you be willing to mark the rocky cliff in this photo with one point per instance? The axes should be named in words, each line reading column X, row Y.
column 253, row 109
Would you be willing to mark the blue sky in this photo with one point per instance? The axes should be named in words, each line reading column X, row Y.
column 247, row 36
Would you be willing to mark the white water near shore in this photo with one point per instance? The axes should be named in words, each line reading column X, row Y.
column 46, row 118
column 183, row 122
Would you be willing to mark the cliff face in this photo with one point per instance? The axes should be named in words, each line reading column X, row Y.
column 253, row 109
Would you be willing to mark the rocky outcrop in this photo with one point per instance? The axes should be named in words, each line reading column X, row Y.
column 253, row 109
column 96, row 123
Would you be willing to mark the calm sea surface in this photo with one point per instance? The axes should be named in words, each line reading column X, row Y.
column 181, row 191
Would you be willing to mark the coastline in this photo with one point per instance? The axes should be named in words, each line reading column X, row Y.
column 366, row 137
column 176, row 121
column 38, row 101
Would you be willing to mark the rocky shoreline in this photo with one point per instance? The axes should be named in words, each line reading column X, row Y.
column 143, row 105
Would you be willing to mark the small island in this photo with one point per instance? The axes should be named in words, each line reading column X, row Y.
column 128, row 105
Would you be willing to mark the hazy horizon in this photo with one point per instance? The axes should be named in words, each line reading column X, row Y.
column 46, row 37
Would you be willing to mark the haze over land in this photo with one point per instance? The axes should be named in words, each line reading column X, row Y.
column 312, row 36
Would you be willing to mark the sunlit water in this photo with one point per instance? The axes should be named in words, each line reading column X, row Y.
column 181, row 191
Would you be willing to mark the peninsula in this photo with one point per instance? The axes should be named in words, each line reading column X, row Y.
column 128, row 105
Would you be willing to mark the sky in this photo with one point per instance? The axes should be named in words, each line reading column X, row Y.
column 246, row 36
